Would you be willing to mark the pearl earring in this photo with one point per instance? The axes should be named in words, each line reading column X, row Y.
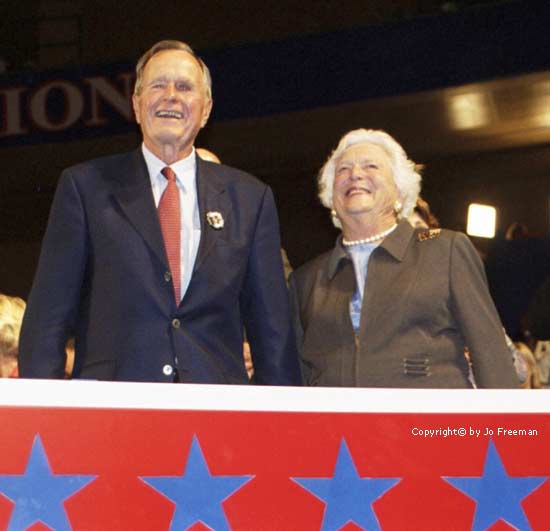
column 397, row 207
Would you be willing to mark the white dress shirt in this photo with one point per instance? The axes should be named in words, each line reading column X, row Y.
column 186, row 181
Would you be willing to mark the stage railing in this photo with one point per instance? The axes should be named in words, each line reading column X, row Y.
column 127, row 456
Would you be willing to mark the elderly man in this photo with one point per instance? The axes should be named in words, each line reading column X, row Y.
column 156, row 261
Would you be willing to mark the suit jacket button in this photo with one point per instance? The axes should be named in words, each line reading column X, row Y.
column 167, row 276
column 167, row 370
column 176, row 323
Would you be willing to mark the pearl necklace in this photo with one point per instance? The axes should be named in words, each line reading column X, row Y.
column 370, row 239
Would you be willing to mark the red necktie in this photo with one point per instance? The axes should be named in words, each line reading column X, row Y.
column 169, row 216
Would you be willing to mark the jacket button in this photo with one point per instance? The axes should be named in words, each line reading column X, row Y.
column 167, row 370
column 167, row 276
column 176, row 323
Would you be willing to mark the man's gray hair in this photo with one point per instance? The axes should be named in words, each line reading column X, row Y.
column 406, row 178
column 171, row 45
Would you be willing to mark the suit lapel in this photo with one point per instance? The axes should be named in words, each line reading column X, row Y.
column 135, row 198
column 212, row 197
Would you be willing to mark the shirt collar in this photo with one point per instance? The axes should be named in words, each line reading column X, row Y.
column 185, row 169
column 396, row 244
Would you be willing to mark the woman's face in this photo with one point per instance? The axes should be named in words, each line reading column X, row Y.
column 364, row 183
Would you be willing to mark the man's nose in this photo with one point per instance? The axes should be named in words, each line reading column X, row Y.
column 170, row 90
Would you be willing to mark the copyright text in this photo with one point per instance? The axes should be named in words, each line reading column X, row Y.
column 471, row 431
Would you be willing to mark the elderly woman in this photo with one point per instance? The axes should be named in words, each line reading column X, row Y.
column 390, row 305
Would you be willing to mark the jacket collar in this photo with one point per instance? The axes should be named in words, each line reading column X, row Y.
column 398, row 241
column 135, row 198
column 395, row 244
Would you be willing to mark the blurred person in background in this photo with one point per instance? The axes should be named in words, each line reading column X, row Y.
column 517, row 266
column 538, row 314
column 537, row 331
column 422, row 217
column 390, row 305
column 206, row 154
column 11, row 316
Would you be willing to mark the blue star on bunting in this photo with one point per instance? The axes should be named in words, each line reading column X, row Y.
column 347, row 496
column 38, row 494
column 498, row 495
column 198, row 495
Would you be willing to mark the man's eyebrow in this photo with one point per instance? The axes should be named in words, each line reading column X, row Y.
column 165, row 78
column 158, row 78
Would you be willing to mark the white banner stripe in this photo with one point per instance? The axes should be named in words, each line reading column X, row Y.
column 127, row 395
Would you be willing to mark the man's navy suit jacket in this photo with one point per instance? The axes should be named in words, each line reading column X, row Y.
column 103, row 276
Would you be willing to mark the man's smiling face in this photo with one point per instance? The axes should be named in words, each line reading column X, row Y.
column 172, row 104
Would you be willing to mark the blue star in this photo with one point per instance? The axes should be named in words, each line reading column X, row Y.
column 348, row 497
column 497, row 494
column 38, row 494
column 198, row 495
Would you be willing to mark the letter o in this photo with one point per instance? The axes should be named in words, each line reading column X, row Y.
column 73, row 100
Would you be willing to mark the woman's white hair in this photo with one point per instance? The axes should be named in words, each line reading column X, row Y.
column 406, row 178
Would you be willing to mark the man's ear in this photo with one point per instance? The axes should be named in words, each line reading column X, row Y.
column 206, row 112
column 135, row 105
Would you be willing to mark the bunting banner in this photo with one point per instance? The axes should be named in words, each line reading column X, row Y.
column 96, row 456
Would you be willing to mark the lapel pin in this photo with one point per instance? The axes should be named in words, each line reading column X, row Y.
column 428, row 234
column 215, row 220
